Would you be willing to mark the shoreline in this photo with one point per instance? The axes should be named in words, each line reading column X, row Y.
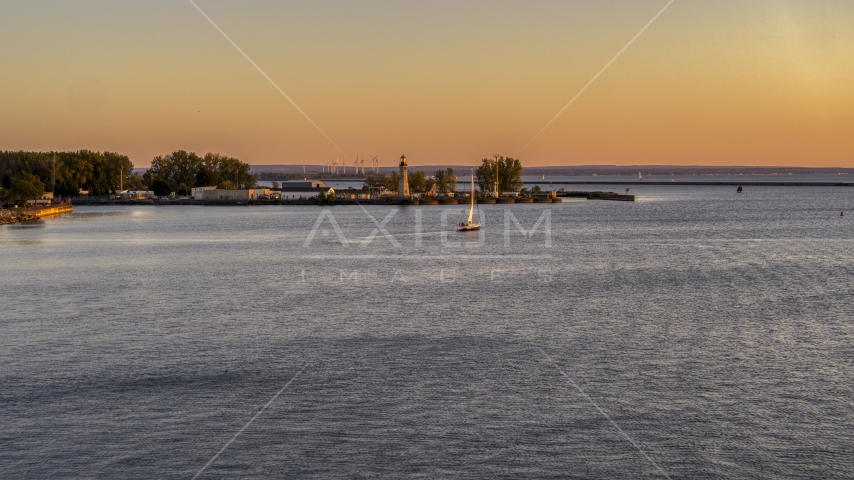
column 32, row 214
column 8, row 217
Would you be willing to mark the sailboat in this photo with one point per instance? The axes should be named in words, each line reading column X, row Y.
column 470, row 225
column 640, row 177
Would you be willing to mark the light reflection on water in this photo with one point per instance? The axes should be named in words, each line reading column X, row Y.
column 714, row 329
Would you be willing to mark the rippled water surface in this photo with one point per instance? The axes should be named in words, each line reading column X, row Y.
column 695, row 333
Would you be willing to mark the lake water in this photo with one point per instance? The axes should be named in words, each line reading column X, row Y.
column 695, row 333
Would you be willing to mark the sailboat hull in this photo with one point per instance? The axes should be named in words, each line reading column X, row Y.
column 468, row 228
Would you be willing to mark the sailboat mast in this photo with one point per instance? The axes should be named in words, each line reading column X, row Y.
column 471, row 210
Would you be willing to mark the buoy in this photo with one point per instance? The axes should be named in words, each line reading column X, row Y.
column 842, row 214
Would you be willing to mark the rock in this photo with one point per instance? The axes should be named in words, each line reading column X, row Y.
column 7, row 217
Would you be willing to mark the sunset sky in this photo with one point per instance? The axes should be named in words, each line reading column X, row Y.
column 730, row 82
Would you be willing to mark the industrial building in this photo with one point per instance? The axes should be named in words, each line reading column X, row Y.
column 218, row 195
column 298, row 193
column 307, row 184
column 198, row 192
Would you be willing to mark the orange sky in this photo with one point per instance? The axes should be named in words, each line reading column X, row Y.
column 726, row 82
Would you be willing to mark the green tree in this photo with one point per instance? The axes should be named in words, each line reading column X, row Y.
column 135, row 182
column 509, row 174
column 417, row 181
column 372, row 183
column 161, row 187
column 176, row 168
column 383, row 181
column 430, row 184
column 206, row 176
column 234, row 170
column 441, row 181
column 227, row 185
column 115, row 170
column 445, row 180
column 392, row 181
column 450, row 180
column 27, row 187
column 66, row 188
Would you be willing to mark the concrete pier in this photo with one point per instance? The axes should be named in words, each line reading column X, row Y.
column 54, row 210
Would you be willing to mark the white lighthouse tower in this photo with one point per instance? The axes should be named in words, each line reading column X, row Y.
column 403, row 184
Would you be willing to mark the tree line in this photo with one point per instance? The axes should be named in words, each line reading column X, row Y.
column 63, row 173
column 27, row 175
column 442, row 181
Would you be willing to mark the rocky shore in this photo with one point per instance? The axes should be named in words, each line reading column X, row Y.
column 7, row 216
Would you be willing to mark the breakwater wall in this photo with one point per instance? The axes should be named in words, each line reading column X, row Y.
column 52, row 210
column 31, row 214
column 598, row 196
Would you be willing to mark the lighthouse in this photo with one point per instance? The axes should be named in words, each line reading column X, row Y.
column 403, row 185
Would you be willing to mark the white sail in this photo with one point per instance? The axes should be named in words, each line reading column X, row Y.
column 471, row 211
